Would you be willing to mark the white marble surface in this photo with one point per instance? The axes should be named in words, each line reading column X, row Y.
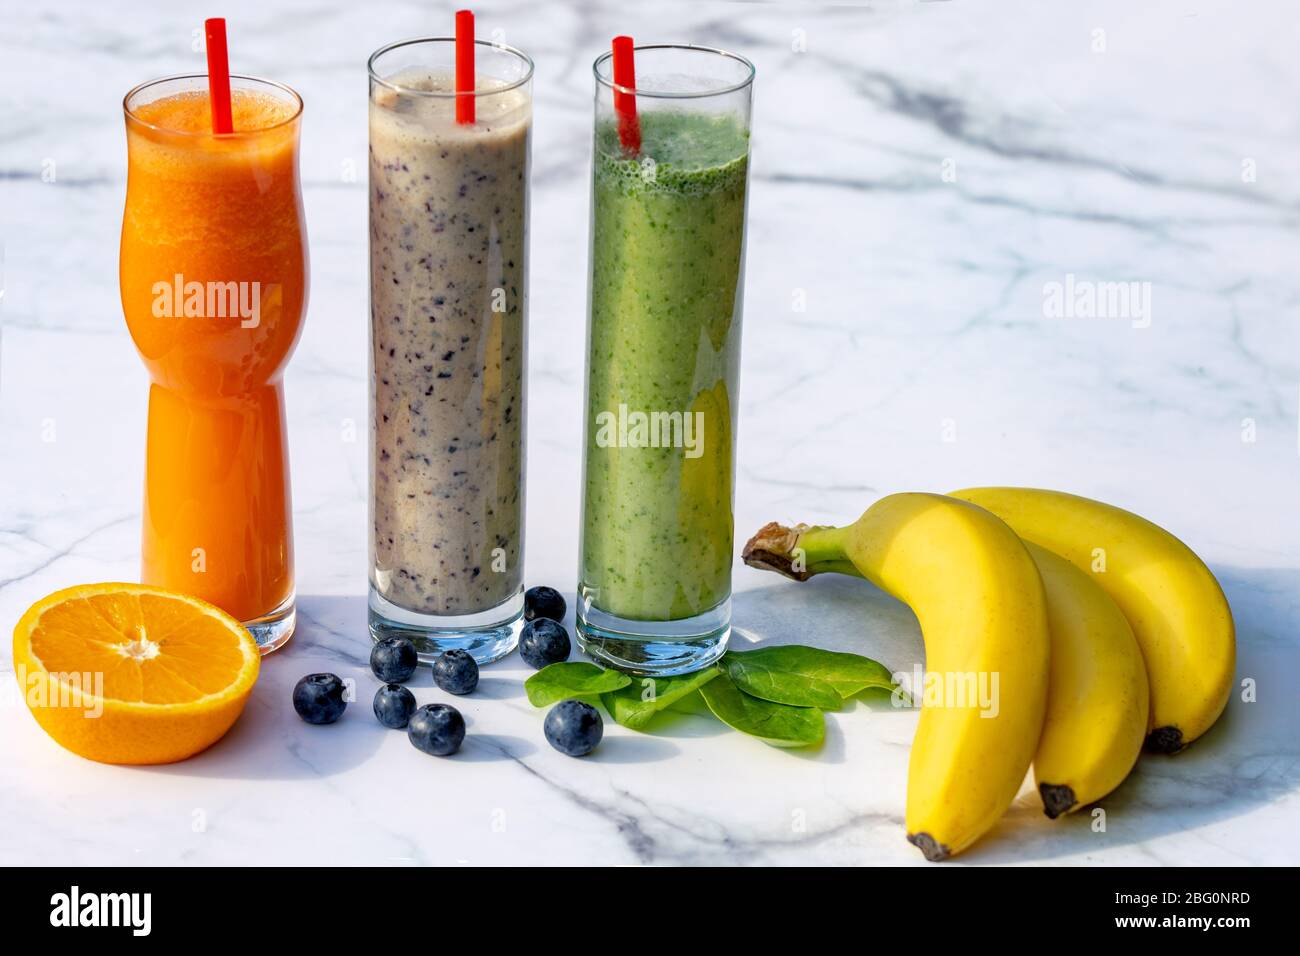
column 924, row 320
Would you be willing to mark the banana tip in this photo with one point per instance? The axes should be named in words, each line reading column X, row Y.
column 934, row 850
column 1058, row 799
column 1165, row 740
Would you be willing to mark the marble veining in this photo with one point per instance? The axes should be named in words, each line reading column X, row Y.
column 922, row 172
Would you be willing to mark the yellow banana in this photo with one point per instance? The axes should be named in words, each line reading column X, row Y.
column 978, row 598
column 1098, row 703
column 1177, row 610
column 1097, row 698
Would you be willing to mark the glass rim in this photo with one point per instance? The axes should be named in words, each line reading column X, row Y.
column 294, row 95
column 608, row 82
column 449, row 94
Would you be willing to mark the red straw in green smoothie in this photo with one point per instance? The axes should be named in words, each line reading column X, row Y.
column 465, row 67
column 218, row 75
column 629, row 128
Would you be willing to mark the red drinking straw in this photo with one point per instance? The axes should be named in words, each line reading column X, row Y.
column 629, row 128
column 465, row 67
column 218, row 75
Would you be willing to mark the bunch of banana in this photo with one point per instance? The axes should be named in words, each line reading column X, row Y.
column 1173, row 603
column 1100, row 629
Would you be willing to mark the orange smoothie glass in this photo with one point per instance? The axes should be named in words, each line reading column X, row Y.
column 214, row 288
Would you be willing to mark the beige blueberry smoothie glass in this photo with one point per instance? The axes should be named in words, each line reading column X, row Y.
column 448, row 314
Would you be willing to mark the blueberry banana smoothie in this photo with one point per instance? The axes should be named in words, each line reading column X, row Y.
column 448, row 305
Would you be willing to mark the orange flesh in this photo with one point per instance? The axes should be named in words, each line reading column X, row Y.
column 149, row 649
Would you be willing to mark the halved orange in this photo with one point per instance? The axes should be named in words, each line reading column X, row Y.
column 128, row 673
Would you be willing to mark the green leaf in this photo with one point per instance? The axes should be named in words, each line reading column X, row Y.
column 636, row 704
column 692, row 704
column 847, row 673
column 778, row 724
column 783, row 687
column 571, row 679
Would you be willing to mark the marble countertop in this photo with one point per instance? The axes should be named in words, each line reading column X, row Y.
column 922, row 174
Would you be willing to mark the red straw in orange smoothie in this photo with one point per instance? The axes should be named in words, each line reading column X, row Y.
column 214, row 29
column 629, row 128
column 465, row 67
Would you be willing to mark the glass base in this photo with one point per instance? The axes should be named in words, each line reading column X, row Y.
column 272, row 631
column 654, row 648
column 488, row 635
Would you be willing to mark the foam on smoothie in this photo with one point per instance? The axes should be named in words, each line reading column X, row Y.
column 681, row 152
column 189, row 112
column 404, row 108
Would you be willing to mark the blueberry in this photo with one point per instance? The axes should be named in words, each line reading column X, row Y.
column 543, row 602
column 544, row 642
column 436, row 729
column 393, row 660
column 456, row 672
column 318, row 698
column 574, row 727
column 393, row 705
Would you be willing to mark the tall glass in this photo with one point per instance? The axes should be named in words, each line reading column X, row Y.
column 663, row 348
column 214, row 288
column 448, row 311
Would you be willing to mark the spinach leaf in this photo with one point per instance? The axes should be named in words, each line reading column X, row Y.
column 780, row 686
column 847, row 673
column 778, row 724
column 636, row 704
column 571, row 679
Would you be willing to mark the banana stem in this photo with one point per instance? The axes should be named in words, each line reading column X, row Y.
column 798, row 552
column 843, row 566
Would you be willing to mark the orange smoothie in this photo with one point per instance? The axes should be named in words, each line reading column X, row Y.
column 214, row 279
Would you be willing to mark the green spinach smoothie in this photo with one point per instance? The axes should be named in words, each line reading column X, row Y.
column 663, row 348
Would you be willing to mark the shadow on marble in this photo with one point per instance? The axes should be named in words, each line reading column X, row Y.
column 632, row 747
column 270, row 742
column 480, row 748
column 498, row 688
column 1248, row 759
column 830, row 611
column 831, row 751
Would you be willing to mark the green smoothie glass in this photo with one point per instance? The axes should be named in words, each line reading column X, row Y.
column 663, row 350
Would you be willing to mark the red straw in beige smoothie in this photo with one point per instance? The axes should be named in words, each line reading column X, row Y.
column 629, row 128
column 465, row 67
column 214, row 29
